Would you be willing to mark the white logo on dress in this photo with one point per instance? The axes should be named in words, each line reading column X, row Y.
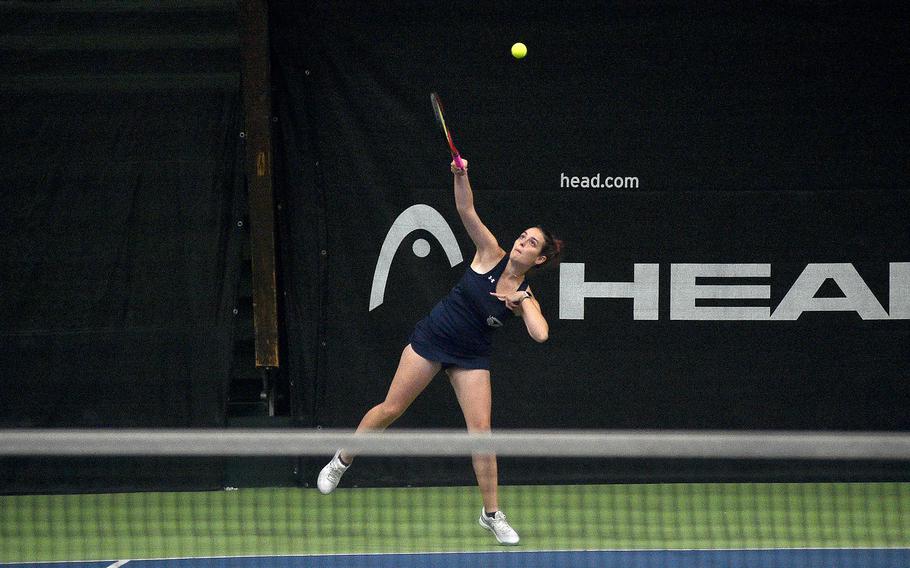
column 493, row 322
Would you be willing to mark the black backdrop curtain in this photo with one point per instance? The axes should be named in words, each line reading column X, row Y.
column 122, row 186
column 767, row 137
column 769, row 140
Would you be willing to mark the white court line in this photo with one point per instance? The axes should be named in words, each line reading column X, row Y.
column 495, row 549
column 500, row 549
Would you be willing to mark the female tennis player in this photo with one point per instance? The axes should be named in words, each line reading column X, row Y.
column 456, row 336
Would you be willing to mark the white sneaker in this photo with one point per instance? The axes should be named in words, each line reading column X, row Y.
column 498, row 525
column 331, row 474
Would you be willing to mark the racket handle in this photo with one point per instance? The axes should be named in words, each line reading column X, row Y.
column 459, row 163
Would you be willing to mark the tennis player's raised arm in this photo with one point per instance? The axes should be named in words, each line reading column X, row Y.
column 487, row 246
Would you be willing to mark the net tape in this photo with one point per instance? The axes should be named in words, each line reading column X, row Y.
column 530, row 443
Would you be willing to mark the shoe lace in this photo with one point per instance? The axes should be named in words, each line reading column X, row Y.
column 334, row 474
column 499, row 521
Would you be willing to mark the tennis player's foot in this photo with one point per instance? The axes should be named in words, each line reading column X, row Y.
column 331, row 474
column 499, row 526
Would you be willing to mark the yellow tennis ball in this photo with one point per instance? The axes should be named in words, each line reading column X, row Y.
column 519, row 50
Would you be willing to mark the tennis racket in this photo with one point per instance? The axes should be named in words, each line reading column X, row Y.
column 437, row 110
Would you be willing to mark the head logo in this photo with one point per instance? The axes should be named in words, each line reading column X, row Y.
column 686, row 291
column 411, row 219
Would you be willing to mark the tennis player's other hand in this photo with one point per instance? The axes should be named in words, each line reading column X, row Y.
column 512, row 301
column 460, row 171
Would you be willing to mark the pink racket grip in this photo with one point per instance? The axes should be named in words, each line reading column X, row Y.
column 459, row 163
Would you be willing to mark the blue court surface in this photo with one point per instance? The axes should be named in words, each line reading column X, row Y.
column 771, row 558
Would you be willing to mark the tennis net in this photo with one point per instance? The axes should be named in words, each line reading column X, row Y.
column 607, row 498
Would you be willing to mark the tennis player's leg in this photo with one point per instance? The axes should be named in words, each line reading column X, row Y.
column 412, row 377
column 472, row 388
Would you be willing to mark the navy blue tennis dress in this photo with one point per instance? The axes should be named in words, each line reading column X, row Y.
column 458, row 332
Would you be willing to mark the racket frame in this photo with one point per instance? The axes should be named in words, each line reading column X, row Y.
column 440, row 118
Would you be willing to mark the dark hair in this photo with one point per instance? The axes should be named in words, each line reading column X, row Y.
column 552, row 249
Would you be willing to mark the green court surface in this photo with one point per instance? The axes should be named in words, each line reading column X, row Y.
column 289, row 521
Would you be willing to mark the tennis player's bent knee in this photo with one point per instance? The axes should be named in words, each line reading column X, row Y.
column 392, row 410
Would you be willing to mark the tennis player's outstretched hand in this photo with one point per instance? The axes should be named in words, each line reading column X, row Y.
column 460, row 171
column 512, row 300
